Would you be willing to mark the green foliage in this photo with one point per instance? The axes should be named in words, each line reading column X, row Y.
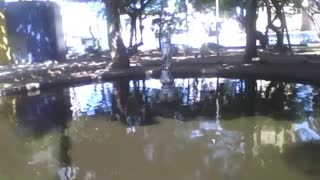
column 165, row 23
column 155, row 7
column 203, row 5
column 171, row 24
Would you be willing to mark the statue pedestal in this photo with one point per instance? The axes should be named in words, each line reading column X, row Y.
column 166, row 78
column 168, row 92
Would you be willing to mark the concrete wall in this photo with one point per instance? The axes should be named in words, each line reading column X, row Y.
column 35, row 31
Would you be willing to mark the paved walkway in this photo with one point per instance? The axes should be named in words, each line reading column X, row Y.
column 24, row 78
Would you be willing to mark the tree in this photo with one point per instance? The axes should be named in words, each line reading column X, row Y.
column 135, row 9
column 275, row 7
column 157, row 9
column 245, row 12
column 312, row 9
column 166, row 22
column 119, row 55
column 247, row 17
column 251, row 29
column 306, row 21
column 204, row 5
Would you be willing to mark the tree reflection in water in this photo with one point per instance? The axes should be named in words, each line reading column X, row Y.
column 138, row 104
column 120, row 95
column 66, row 171
column 230, row 146
column 220, row 128
column 41, row 115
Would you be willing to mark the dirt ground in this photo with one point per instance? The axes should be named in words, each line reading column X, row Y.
column 29, row 77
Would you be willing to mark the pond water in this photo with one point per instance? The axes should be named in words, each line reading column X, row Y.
column 223, row 129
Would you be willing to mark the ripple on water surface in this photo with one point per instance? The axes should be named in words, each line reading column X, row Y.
column 224, row 129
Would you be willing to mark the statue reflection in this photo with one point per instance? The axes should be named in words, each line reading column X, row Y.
column 308, row 129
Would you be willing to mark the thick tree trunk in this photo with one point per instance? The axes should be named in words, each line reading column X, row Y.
column 119, row 53
column 250, row 25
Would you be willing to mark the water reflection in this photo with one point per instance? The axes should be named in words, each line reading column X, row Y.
column 91, row 100
column 38, row 115
column 308, row 129
column 137, row 102
column 219, row 129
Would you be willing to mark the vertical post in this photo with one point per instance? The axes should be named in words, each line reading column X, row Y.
column 187, row 25
column 160, row 25
column 217, row 26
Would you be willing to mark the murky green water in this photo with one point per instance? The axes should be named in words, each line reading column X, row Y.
column 215, row 129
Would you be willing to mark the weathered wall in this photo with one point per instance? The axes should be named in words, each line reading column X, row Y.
column 35, row 31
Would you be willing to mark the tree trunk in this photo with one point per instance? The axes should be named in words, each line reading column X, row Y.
column 263, row 39
column 119, row 53
column 160, row 36
column 279, row 14
column 133, row 22
column 160, row 25
column 306, row 21
column 109, row 36
column 141, row 28
column 315, row 22
column 287, row 32
column 280, row 38
column 135, row 32
column 250, row 25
